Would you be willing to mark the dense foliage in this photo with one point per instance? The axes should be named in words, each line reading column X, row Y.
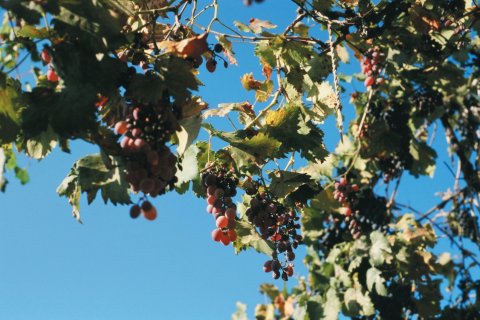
column 123, row 74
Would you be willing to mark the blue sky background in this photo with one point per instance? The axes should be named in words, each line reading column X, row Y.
column 113, row 267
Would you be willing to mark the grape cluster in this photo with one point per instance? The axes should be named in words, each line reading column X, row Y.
column 220, row 186
column 47, row 59
column 365, row 212
column 358, row 224
column 345, row 193
column 333, row 232
column 145, row 130
column 391, row 167
column 146, row 208
column 372, row 65
column 396, row 118
column 249, row 2
column 468, row 224
column 277, row 223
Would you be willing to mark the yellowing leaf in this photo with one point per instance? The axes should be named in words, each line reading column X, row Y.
column 191, row 47
column 249, row 83
column 257, row 25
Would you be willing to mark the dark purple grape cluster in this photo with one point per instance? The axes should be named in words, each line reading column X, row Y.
column 344, row 192
column 277, row 223
column 249, row 2
column 358, row 224
column 146, row 129
column 468, row 223
column 333, row 232
column 391, row 167
column 220, row 186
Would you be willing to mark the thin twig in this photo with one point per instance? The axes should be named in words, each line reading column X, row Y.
column 336, row 86
column 292, row 25
column 262, row 113
column 441, row 205
column 365, row 112
column 215, row 15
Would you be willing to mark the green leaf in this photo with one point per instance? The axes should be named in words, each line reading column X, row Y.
column 247, row 236
column 89, row 175
column 241, row 312
column 423, row 159
column 375, row 280
column 227, row 49
column 244, row 161
column 22, row 175
column 263, row 93
column 270, row 290
column 190, row 169
column 265, row 312
column 380, row 251
column 332, row 305
column 257, row 25
column 241, row 26
column 264, row 51
column 324, row 100
column 224, row 109
column 357, row 303
column 40, row 146
column 10, row 103
column 292, row 126
column 298, row 185
column 190, row 129
column 260, row 146
column 342, row 54
column 32, row 32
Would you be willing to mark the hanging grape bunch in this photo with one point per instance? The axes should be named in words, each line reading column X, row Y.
column 345, row 193
column 220, row 186
column 333, row 231
column 468, row 224
column 372, row 66
column 150, row 165
column 276, row 223
column 363, row 212
column 249, row 2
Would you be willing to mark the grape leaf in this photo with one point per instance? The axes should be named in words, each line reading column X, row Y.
column 189, row 171
column 260, row 146
column 40, row 146
column 257, row 25
column 241, row 26
column 241, row 312
column 375, row 280
column 190, row 129
column 227, row 49
column 22, row 175
column 247, row 236
column 380, row 251
column 284, row 183
column 292, row 126
column 10, row 102
column 30, row 31
column 223, row 109
column 332, row 305
column 423, row 159
column 270, row 290
column 88, row 175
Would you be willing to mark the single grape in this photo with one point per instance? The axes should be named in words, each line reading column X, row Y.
column 121, row 127
column 135, row 211
column 217, row 235
column 222, row 222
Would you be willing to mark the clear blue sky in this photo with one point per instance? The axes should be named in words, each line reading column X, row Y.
column 113, row 267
